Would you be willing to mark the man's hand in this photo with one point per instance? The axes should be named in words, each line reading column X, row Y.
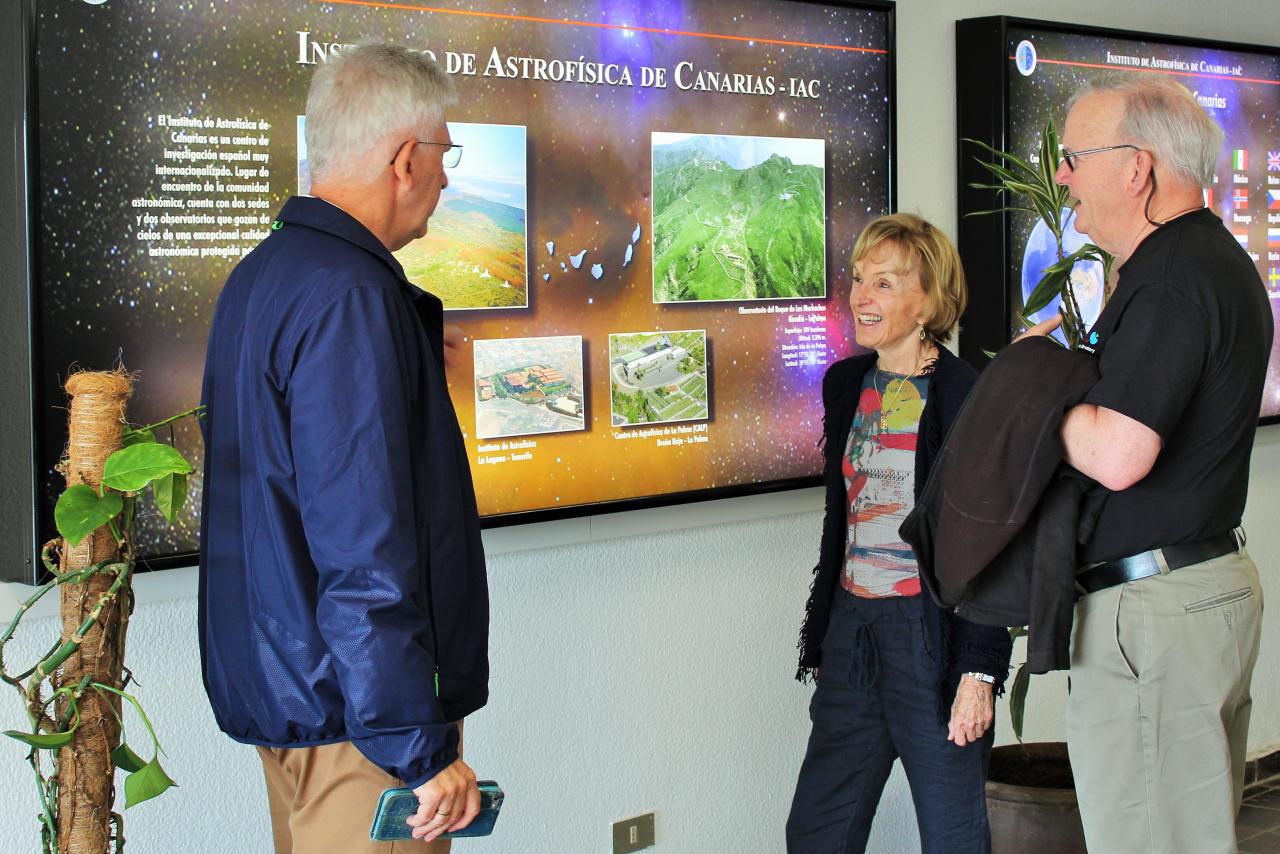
column 972, row 711
column 1041, row 329
column 446, row 802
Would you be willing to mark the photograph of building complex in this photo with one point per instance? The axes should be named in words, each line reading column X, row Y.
column 525, row 386
column 658, row 377
column 737, row 218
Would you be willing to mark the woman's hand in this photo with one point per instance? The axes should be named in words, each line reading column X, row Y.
column 971, row 713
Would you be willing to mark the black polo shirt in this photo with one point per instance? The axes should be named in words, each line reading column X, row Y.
column 1183, row 347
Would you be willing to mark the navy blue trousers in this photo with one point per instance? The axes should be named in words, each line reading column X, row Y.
column 876, row 701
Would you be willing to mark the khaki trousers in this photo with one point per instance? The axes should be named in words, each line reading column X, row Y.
column 1158, row 714
column 322, row 801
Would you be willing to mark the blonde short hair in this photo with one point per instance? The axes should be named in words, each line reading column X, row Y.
column 933, row 256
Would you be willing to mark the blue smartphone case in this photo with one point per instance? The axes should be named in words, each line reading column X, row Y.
column 396, row 805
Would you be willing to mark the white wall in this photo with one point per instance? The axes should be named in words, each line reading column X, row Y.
column 652, row 671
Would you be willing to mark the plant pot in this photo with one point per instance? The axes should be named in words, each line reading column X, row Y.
column 1031, row 800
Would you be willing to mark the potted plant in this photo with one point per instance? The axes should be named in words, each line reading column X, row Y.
column 1028, row 187
column 74, row 695
column 1031, row 799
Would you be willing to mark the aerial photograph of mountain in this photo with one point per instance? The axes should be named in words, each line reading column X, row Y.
column 475, row 252
column 737, row 218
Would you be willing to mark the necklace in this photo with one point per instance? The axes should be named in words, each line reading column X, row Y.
column 887, row 405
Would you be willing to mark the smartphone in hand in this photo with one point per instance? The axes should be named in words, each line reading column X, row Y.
column 396, row 805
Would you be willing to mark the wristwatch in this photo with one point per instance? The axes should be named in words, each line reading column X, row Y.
column 982, row 677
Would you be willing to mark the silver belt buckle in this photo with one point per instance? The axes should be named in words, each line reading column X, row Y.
column 1157, row 557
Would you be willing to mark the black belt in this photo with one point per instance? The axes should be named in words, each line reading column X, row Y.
column 1147, row 564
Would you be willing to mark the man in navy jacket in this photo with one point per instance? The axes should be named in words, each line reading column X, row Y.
column 343, row 600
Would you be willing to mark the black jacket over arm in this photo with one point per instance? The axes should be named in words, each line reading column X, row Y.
column 966, row 646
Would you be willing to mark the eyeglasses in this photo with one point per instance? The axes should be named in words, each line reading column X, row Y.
column 452, row 153
column 1070, row 156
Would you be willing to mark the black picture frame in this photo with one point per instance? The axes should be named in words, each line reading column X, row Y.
column 983, row 77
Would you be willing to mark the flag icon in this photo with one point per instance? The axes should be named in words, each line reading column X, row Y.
column 1241, row 234
column 1240, row 198
column 1273, row 161
column 1273, row 238
column 1240, row 160
column 1273, row 200
column 1273, row 280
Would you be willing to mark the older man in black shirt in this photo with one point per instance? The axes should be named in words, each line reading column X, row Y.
column 1166, row 636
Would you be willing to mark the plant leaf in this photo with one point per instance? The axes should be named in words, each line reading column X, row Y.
column 170, row 493
column 45, row 740
column 126, row 760
column 80, row 511
column 1018, row 699
column 138, row 437
column 1050, row 286
column 132, row 468
column 146, row 783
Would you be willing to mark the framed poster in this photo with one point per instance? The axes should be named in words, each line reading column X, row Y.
column 635, row 173
column 1014, row 75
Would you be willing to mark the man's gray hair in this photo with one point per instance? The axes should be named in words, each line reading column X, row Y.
column 1162, row 116
column 366, row 95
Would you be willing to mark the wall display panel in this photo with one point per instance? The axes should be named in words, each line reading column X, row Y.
column 644, row 246
column 1014, row 75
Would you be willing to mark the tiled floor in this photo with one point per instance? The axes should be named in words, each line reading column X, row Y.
column 1258, row 826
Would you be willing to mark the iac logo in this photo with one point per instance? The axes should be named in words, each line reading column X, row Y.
column 1025, row 57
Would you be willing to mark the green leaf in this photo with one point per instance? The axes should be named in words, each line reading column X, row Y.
column 1018, row 699
column 170, row 493
column 80, row 511
column 1050, row 286
column 126, row 760
column 132, row 468
column 146, row 783
column 138, row 437
column 44, row 741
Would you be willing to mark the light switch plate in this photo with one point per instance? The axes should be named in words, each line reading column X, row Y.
column 633, row 834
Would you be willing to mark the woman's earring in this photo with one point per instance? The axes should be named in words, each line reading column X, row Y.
column 923, row 335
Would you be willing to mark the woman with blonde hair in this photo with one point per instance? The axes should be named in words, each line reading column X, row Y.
column 896, row 675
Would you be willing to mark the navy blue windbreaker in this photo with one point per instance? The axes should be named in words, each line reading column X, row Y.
column 341, row 568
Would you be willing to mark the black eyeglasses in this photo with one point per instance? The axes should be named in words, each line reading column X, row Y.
column 1070, row 156
column 452, row 153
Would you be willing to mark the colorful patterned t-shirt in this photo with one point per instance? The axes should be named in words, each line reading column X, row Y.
column 879, row 477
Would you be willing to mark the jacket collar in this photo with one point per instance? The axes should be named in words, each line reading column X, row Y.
column 318, row 214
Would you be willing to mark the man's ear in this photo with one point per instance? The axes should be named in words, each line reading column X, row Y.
column 401, row 164
column 1137, row 176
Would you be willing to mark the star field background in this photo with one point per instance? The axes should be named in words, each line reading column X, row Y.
column 1251, row 121
column 105, row 72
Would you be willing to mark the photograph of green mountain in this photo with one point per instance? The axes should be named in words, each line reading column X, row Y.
column 737, row 218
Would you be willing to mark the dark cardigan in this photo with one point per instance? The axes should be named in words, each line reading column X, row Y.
column 967, row 646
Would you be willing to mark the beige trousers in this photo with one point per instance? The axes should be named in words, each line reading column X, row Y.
column 1158, row 714
column 322, row 801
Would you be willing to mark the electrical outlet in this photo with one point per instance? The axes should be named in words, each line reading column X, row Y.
column 633, row 834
